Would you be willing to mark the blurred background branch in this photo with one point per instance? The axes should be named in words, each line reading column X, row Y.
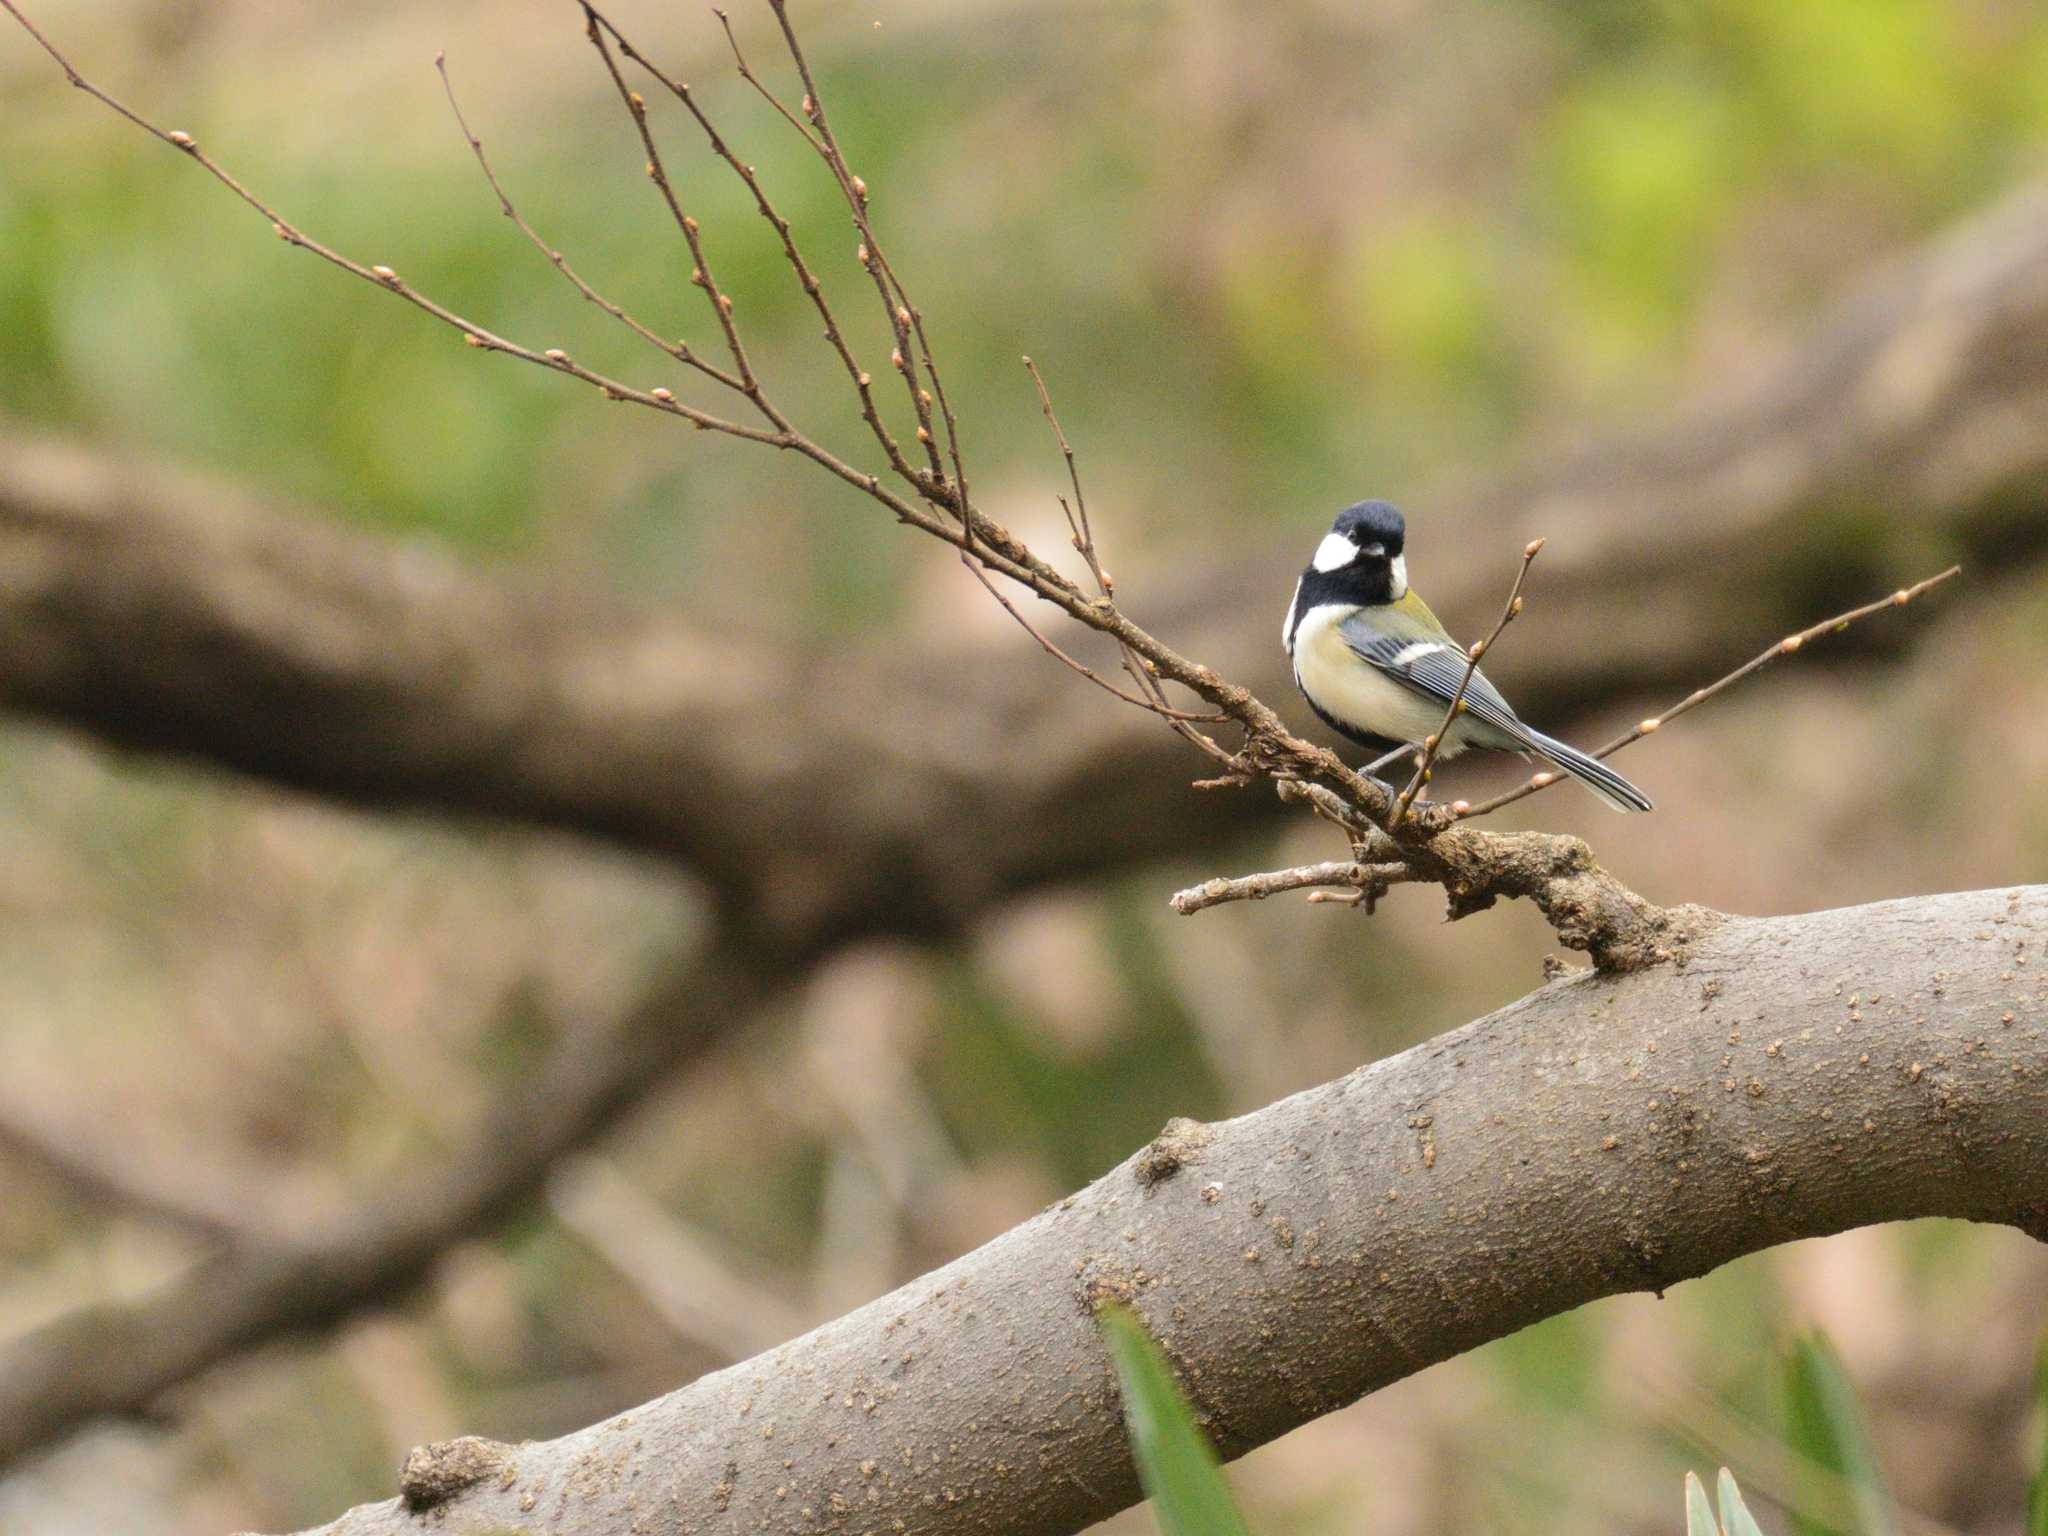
column 179, row 616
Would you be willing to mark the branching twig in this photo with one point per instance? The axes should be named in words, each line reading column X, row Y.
column 1699, row 696
column 700, row 272
column 1366, row 879
column 1433, row 744
column 946, row 514
column 1589, row 908
column 680, row 351
column 902, row 315
column 385, row 278
column 1082, row 534
column 806, row 280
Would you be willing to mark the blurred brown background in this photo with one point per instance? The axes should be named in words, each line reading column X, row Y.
column 1272, row 258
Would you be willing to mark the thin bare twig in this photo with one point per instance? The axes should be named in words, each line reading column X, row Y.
column 1163, row 710
column 1434, row 744
column 1082, row 534
column 700, row 272
column 806, row 279
column 1077, row 514
column 1699, row 696
column 680, row 351
column 905, row 319
column 384, row 277
column 1345, row 874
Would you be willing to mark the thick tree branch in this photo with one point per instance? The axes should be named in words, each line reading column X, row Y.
column 1799, row 1076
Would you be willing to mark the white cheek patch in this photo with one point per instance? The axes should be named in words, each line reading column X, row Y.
column 1399, row 570
column 1334, row 553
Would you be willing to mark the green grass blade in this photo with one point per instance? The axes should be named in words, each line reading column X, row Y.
column 1175, row 1462
column 1736, row 1520
column 1699, row 1515
column 1842, row 1489
column 2037, row 1492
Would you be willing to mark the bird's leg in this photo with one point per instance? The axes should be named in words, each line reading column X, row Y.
column 1371, row 770
column 1407, row 749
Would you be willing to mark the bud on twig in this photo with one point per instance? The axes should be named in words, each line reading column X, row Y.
column 896, row 358
column 923, row 436
column 865, row 379
column 902, row 315
column 1461, row 807
column 1539, row 780
column 861, row 255
column 860, row 189
column 697, row 276
column 555, row 355
column 1648, row 726
column 1790, row 644
column 472, row 338
column 181, row 138
column 1515, row 608
column 384, row 274
column 666, row 397
column 1529, row 550
column 689, row 224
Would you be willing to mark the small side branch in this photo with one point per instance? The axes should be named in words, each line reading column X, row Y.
column 700, row 271
column 1434, row 744
column 1365, row 881
column 1785, row 647
column 680, row 351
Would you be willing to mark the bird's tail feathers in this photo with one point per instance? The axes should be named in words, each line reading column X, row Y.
column 1591, row 772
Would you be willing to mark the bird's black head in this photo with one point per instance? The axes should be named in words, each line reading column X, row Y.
column 1361, row 558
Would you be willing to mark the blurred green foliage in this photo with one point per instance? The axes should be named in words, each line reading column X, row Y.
column 1842, row 1489
column 1236, row 326
column 2037, row 1489
column 1176, row 1465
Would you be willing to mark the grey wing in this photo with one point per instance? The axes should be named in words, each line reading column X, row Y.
column 1434, row 668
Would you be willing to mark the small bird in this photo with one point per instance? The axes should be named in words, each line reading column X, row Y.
column 1375, row 664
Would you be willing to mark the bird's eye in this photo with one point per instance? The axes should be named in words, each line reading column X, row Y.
column 1375, row 550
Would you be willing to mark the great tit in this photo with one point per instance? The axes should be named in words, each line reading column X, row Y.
column 1375, row 664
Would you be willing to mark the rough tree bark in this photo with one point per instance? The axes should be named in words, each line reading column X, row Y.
column 1791, row 1077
